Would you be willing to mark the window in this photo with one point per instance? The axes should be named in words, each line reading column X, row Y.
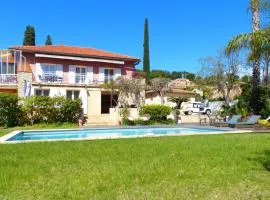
column 73, row 94
column 42, row 92
column 195, row 105
column 108, row 75
column 52, row 73
column 80, row 75
column 49, row 69
column 7, row 68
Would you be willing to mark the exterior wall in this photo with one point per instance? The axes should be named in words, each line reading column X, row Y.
column 115, row 114
column 155, row 99
column 94, row 102
column 127, row 69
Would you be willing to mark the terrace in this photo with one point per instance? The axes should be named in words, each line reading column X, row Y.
column 81, row 75
column 11, row 62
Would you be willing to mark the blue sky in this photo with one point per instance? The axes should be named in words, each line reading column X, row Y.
column 181, row 31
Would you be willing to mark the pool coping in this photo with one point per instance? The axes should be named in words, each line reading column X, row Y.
column 3, row 139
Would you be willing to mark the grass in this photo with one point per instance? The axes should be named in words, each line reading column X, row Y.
column 190, row 167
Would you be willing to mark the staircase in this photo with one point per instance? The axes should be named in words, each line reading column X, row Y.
column 100, row 120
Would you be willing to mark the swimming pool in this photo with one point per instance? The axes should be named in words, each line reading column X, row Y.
column 102, row 133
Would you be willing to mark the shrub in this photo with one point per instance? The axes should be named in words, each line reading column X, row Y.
column 10, row 112
column 39, row 109
column 264, row 122
column 265, row 112
column 143, row 123
column 240, row 108
column 44, row 109
column 168, row 121
column 71, row 110
column 158, row 113
column 264, row 100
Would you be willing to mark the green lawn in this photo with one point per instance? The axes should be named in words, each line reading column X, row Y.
column 188, row 167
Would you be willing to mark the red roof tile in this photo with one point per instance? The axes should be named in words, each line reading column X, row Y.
column 74, row 51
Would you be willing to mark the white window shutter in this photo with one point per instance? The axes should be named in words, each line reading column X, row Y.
column 89, row 75
column 117, row 73
column 101, row 74
column 71, row 74
column 38, row 72
column 59, row 70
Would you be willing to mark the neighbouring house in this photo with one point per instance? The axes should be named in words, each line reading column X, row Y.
column 177, row 88
column 60, row 70
column 152, row 97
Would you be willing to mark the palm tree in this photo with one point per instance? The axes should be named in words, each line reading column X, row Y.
column 254, row 41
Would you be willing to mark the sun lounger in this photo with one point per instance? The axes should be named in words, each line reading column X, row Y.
column 234, row 119
column 251, row 121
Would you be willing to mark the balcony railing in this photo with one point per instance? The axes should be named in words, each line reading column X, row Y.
column 80, row 79
column 50, row 78
column 8, row 79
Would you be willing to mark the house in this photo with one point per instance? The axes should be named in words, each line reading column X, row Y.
column 60, row 70
column 152, row 97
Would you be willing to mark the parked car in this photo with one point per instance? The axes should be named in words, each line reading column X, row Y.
column 195, row 107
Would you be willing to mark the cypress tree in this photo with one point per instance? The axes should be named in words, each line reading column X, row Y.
column 48, row 40
column 146, row 56
column 29, row 36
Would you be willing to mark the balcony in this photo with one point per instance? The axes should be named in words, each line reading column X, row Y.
column 50, row 78
column 8, row 79
column 67, row 79
column 80, row 79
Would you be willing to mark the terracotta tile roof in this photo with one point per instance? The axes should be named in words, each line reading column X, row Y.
column 74, row 51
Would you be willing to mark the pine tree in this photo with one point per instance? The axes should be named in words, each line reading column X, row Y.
column 48, row 40
column 146, row 56
column 29, row 36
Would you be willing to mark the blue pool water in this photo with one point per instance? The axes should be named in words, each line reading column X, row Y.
column 108, row 133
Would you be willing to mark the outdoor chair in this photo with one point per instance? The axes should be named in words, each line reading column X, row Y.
column 215, row 118
column 251, row 121
column 233, row 119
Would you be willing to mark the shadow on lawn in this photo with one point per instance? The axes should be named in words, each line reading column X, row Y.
column 264, row 159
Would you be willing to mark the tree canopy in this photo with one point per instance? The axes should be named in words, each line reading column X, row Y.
column 29, row 36
column 48, row 40
column 146, row 56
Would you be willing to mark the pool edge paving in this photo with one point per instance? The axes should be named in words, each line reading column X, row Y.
column 6, row 138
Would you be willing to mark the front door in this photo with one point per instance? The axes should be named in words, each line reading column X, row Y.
column 105, row 103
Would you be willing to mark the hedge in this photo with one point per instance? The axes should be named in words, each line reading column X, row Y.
column 10, row 111
column 158, row 113
column 37, row 109
column 46, row 109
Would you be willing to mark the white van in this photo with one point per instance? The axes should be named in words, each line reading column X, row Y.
column 195, row 107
